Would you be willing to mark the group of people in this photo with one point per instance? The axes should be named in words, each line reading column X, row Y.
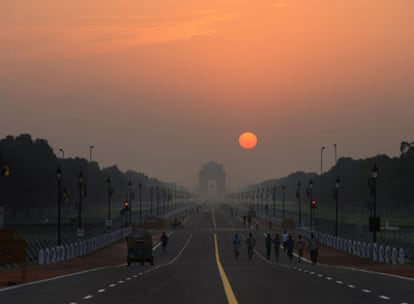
column 286, row 242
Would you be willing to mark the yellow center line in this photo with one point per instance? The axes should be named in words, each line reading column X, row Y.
column 214, row 220
column 231, row 298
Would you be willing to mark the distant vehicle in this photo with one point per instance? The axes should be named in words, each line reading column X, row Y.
column 140, row 248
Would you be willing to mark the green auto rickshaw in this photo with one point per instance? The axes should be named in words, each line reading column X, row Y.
column 140, row 248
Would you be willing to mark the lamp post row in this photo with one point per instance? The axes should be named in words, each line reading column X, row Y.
column 81, row 184
column 374, row 221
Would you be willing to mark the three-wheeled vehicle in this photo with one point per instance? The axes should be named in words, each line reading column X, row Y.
column 140, row 248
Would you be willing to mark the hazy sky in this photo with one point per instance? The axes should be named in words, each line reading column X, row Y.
column 164, row 86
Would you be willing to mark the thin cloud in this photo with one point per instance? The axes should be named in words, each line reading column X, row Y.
column 108, row 34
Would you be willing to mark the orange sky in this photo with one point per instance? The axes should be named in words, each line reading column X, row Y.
column 166, row 86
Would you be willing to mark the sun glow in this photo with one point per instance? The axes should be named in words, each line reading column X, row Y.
column 248, row 140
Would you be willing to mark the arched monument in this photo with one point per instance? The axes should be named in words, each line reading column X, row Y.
column 212, row 182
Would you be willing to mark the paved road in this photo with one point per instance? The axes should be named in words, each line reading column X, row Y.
column 199, row 267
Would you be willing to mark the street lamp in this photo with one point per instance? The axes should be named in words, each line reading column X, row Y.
column 151, row 199
column 335, row 153
column 164, row 200
column 130, row 201
column 374, row 221
column 59, row 181
column 274, row 201
column 90, row 153
column 336, row 197
column 140, row 204
column 63, row 153
column 109, row 188
column 283, row 201
column 310, row 195
column 323, row 148
column 267, row 201
column 158, row 200
column 80, row 229
column 298, row 196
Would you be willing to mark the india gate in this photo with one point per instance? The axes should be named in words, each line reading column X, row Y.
column 212, row 182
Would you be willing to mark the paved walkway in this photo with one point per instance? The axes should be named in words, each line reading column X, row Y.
column 331, row 256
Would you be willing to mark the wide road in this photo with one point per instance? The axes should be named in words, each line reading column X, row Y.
column 199, row 267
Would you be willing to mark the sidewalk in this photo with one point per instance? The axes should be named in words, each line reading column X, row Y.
column 114, row 254
column 331, row 256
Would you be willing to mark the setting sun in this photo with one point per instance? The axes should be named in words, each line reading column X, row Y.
column 247, row 140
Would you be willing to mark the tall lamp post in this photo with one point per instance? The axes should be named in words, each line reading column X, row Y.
column 335, row 156
column 164, row 200
column 283, row 201
column 310, row 194
column 274, row 201
column 323, row 148
column 151, row 199
column 129, row 201
column 59, row 182
column 374, row 221
column 140, row 204
column 267, row 201
column 299, row 197
column 80, row 229
column 63, row 153
column 336, row 197
column 90, row 153
column 158, row 200
column 109, row 188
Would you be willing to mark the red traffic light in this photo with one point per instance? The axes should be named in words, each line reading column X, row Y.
column 126, row 204
column 313, row 203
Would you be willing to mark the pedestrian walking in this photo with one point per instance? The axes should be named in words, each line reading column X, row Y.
column 285, row 236
column 268, row 243
column 290, row 244
column 276, row 242
column 251, row 242
column 300, row 246
column 313, row 249
column 236, row 245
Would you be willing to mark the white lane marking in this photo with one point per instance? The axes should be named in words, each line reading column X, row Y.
column 329, row 278
column 101, row 290
column 88, row 297
column 128, row 278
column 120, row 282
column 60, row 277
column 135, row 275
column 112, row 285
column 339, row 282
column 384, row 297
column 368, row 271
column 179, row 254
column 320, row 275
column 140, row 273
column 351, row 286
column 366, row 290
column 312, row 272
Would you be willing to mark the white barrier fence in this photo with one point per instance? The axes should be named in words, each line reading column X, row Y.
column 79, row 248
column 371, row 251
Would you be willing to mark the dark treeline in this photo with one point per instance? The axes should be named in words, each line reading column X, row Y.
column 31, row 182
column 395, row 184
